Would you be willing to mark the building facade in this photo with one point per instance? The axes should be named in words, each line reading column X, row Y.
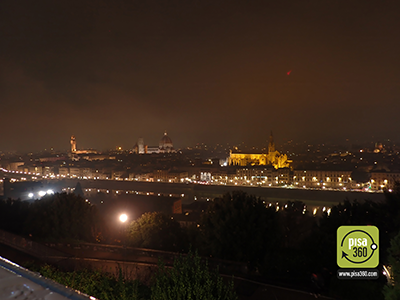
column 384, row 180
column 272, row 157
column 322, row 179
column 165, row 146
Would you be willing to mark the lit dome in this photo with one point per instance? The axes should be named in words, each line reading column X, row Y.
column 166, row 139
column 166, row 143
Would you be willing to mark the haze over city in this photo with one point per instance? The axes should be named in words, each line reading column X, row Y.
column 187, row 149
column 206, row 71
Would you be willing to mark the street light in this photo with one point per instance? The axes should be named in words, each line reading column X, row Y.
column 123, row 218
column 123, row 228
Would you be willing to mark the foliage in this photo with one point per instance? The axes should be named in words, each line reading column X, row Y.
column 380, row 214
column 392, row 292
column 356, row 289
column 78, row 190
column 13, row 214
column 157, row 231
column 239, row 227
column 190, row 278
column 287, row 244
column 62, row 216
column 289, row 258
column 103, row 286
column 321, row 246
column 294, row 224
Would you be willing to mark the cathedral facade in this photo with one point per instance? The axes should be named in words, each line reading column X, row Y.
column 165, row 146
column 272, row 157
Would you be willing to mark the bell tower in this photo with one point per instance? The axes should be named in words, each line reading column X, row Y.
column 73, row 144
column 271, row 144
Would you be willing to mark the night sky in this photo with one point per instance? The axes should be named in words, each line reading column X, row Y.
column 110, row 72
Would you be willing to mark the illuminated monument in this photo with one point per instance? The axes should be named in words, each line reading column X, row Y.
column 74, row 151
column 165, row 146
column 272, row 157
column 142, row 149
column 73, row 144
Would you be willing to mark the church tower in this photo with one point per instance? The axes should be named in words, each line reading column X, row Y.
column 141, row 146
column 271, row 144
column 73, row 144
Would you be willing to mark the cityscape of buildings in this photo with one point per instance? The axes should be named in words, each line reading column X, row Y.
column 147, row 144
column 319, row 167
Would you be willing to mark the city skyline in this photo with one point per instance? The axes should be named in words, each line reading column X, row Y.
column 260, row 145
column 212, row 72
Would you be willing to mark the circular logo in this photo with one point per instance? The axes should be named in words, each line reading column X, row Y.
column 357, row 246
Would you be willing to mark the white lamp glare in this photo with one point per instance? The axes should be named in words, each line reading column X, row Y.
column 123, row 218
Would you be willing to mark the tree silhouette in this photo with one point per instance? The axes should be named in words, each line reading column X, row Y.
column 157, row 231
column 63, row 216
column 190, row 278
column 239, row 227
column 78, row 190
column 392, row 292
column 13, row 214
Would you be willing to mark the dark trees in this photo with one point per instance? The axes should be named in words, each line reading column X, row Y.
column 190, row 278
column 98, row 284
column 13, row 214
column 63, row 216
column 78, row 190
column 239, row 227
column 392, row 292
column 157, row 231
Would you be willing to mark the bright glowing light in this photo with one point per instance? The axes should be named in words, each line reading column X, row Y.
column 30, row 195
column 123, row 218
column 42, row 193
column 50, row 192
column 386, row 271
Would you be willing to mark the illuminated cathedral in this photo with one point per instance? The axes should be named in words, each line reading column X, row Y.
column 272, row 157
column 165, row 146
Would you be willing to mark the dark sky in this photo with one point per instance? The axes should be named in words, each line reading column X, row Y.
column 206, row 71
